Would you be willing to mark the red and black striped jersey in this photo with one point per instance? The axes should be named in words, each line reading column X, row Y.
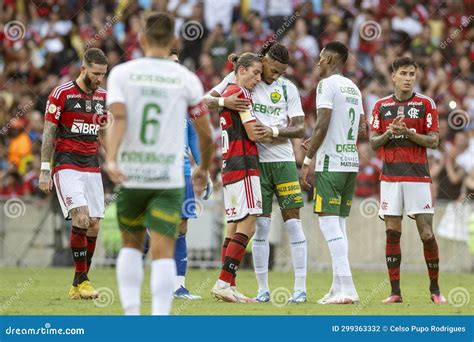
column 79, row 117
column 404, row 160
column 239, row 153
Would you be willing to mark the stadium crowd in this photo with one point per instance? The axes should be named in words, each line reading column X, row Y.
column 41, row 45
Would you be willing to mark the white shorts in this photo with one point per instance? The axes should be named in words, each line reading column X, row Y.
column 409, row 197
column 78, row 189
column 243, row 198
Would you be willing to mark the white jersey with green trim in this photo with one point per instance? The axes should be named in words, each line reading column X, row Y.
column 273, row 105
column 338, row 152
column 157, row 93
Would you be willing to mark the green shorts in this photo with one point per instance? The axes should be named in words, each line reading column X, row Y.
column 281, row 179
column 333, row 192
column 156, row 209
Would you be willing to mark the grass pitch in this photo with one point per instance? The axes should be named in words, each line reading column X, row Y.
column 29, row 291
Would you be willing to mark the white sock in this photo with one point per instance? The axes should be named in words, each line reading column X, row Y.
column 163, row 274
column 222, row 284
column 299, row 252
column 179, row 281
column 129, row 270
column 337, row 246
column 261, row 252
column 342, row 226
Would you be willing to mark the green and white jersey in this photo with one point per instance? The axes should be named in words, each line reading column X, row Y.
column 157, row 93
column 273, row 105
column 338, row 152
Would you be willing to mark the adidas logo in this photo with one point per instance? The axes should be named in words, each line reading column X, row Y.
column 77, row 106
column 388, row 114
column 427, row 207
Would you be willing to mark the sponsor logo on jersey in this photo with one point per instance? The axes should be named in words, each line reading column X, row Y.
column 387, row 104
column 85, row 128
column 275, row 96
column 413, row 113
column 73, row 96
column 415, row 103
column 98, row 98
column 269, row 110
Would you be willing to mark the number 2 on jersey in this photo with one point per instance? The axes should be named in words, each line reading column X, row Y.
column 350, row 133
column 150, row 126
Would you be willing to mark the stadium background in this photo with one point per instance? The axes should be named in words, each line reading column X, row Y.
column 42, row 43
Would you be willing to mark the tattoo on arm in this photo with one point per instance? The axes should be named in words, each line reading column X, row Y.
column 211, row 100
column 47, row 146
column 295, row 128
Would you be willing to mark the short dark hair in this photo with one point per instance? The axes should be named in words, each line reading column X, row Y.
column 403, row 61
column 94, row 55
column 275, row 51
column 244, row 60
column 159, row 28
column 339, row 48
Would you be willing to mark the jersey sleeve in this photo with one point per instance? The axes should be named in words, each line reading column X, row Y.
column 230, row 78
column 325, row 94
column 54, row 107
column 375, row 122
column 431, row 117
column 193, row 143
column 294, row 102
column 247, row 115
column 115, row 87
column 194, row 89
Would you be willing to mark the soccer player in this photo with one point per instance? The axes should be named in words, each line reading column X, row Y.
column 188, row 209
column 403, row 125
column 240, row 175
column 75, row 112
column 277, row 108
column 150, row 99
column 334, row 139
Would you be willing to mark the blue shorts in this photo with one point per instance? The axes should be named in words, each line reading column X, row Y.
column 188, row 209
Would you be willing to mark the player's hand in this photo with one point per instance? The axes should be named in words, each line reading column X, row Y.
column 115, row 174
column 199, row 177
column 45, row 181
column 401, row 129
column 304, row 180
column 209, row 188
column 234, row 102
column 262, row 131
column 305, row 144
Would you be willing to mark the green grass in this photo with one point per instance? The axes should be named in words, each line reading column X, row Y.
column 25, row 291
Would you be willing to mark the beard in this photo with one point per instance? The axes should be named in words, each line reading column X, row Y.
column 89, row 84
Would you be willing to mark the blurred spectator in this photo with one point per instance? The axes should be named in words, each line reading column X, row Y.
column 367, row 181
column 20, row 143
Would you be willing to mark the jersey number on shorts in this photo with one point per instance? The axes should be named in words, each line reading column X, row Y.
column 150, row 126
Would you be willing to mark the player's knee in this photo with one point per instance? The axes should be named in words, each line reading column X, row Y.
column 93, row 229
column 82, row 221
column 183, row 227
column 289, row 214
column 426, row 235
